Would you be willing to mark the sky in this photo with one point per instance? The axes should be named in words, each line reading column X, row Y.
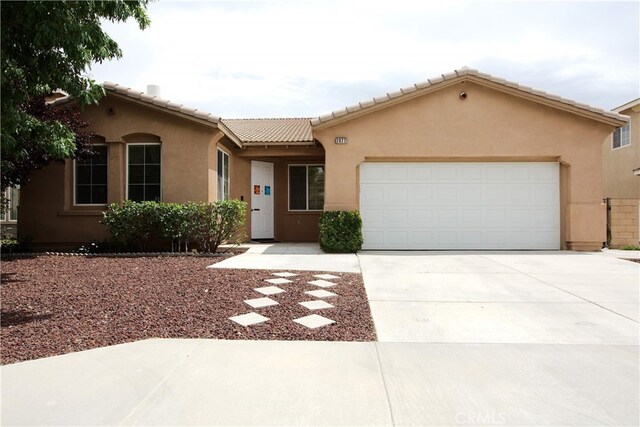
column 240, row 59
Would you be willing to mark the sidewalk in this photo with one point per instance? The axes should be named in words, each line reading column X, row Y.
column 211, row 382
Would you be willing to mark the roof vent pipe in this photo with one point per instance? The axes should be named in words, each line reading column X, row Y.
column 153, row 90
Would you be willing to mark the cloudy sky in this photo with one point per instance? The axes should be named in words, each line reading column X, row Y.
column 305, row 58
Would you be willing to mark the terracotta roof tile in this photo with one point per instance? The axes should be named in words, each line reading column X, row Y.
column 274, row 131
column 153, row 100
column 457, row 74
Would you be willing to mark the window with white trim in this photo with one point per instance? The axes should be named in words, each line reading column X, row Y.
column 90, row 177
column 306, row 187
column 10, row 210
column 622, row 136
column 144, row 173
column 223, row 175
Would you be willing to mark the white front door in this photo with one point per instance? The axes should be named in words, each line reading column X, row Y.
column 261, row 200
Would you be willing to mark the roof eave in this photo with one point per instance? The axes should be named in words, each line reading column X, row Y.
column 340, row 116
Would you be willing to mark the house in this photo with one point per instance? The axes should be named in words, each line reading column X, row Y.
column 621, row 160
column 9, row 216
column 462, row 161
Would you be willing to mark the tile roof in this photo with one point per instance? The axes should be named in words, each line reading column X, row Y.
column 271, row 131
column 443, row 80
column 151, row 100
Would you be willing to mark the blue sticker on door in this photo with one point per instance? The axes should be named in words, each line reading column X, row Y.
column 267, row 190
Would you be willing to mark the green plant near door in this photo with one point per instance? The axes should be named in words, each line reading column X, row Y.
column 341, row 231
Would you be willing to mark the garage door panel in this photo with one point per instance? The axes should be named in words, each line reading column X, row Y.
column 445, row 194
column 460, row 205
column 396, row 217
column 519, row 194
column 470, row 195
column 395, row 194
column 420, row 172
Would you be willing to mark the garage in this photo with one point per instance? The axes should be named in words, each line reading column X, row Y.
column 459, row 206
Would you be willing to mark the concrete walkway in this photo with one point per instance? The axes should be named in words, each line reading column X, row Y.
column 291, row 256
column 502, row 338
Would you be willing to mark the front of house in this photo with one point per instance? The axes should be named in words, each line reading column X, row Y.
column 463, row 161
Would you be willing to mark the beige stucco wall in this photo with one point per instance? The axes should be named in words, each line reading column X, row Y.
column 47, row 211
column 621, row 186
column 488, row 126
column 619, row 163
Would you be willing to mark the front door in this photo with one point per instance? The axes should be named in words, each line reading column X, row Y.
column 261, row 200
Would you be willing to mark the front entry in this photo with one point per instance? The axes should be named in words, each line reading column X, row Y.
column 261, row 200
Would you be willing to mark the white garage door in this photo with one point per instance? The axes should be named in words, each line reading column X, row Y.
column 460, row 205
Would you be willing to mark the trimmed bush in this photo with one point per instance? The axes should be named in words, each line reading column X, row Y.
column 340, row 231
column 211, row 224
column 132, row 224
column 135, row 225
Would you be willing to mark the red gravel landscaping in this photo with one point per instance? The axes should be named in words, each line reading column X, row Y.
column 55, row 305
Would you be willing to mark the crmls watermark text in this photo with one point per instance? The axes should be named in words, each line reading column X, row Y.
column 481, row 418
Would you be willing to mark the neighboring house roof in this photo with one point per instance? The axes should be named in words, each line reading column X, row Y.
column 627, row 106
column 295, row 131
column 475, row 76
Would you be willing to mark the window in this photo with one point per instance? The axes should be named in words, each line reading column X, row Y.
column 306, row 187
column 223, row 175
column 10, row 213
column 622, row 136
column 143, row 172
column 90, row 177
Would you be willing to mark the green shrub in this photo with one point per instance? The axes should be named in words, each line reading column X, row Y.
column 136, row 225
column 211, row 224
column 133, row 224
column 341, row 231
column 631, row 248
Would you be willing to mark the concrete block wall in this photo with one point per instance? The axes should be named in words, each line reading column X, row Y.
column 623, row 221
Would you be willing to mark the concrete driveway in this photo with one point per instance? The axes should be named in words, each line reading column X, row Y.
column 465, row 339
column 509, row 338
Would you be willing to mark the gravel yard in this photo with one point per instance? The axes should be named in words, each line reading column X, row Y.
column 55, row 305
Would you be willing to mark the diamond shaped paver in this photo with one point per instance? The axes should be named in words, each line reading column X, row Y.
column 248, row 319
column 279, row 281
column 322, row 283
column 269, row 290
column 325, row 276
column 321, row 293
column 285, row 274
column 314, row 321
column 316, row 305
column 260, row 302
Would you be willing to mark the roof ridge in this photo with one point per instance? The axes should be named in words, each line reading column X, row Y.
column 455, row 74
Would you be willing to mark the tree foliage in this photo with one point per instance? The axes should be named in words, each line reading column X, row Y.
column 47, row 46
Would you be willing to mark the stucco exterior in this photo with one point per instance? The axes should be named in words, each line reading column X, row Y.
column 621, row 185
column 493, row 122
column 489, row 125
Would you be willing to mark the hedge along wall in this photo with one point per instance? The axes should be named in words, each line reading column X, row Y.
column 136, row 225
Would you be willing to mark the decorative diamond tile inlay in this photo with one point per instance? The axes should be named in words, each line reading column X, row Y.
column 314, row 321
column 316, row 305
column 248, row 319
column 260, row 302
column 322, row 283
column 269, row 290
column 285, row 274
column 321, row 293
column 325, row 276
column 279, row 281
